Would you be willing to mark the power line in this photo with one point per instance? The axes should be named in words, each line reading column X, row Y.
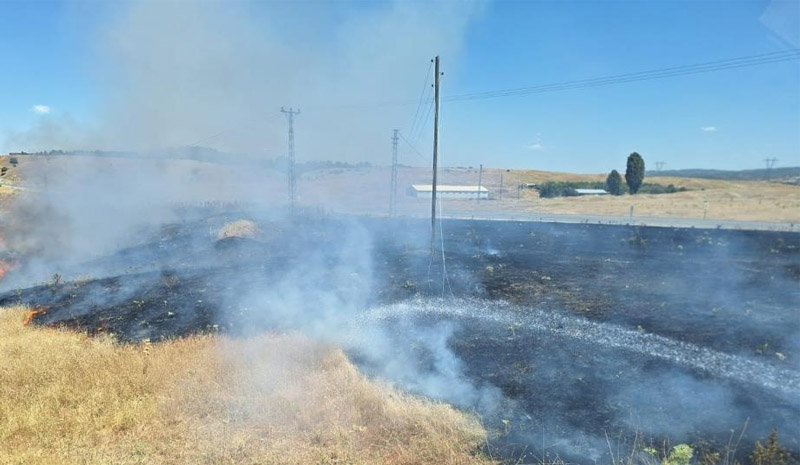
column 238, row 127
column 403, row 138
column 425, row 88
column 420, row 126
column 730, row 63
column 424, row 123
column 659, row 73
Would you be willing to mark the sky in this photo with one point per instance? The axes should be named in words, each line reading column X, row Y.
column 145, row 76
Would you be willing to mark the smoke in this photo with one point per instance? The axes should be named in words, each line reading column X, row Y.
column 216, row 73
column 174, row 74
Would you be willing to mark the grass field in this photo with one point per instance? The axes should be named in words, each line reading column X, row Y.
column 365, row 190
column 278, row 399
column 726, row 200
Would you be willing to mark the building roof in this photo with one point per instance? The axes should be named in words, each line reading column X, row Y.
column 591, row 191
column 448, row 188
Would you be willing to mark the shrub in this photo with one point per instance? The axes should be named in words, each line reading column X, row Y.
column 679, row 455
column 646, row 188
column 772, row 453
column 566, row 189
column 614, row 183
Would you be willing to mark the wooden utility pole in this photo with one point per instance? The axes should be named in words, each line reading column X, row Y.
column 436, row 75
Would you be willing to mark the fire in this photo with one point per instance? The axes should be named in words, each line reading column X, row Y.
column 4, row 268
column 33, row 313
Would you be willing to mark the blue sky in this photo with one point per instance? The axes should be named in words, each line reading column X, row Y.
column 728, row 119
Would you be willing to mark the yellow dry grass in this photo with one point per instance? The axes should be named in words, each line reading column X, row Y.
column 6, row 194
column 69, row 398
column 725, row 200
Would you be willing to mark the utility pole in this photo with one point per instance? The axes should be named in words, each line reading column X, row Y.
column 770, row 162
column 480, row 180
column 292, row 189
column 659, row 165
column 436, row 76
column 501, row 186
column 393, row 185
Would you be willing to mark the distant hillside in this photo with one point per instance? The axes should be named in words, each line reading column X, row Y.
column 743, row 175
column 203, row 154
column 195, row 153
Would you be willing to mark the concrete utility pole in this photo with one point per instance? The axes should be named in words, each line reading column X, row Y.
column 436, row 80
column 393, row 185
column 480, row 180
column 292, row 189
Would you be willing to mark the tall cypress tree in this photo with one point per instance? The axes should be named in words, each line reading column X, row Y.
column 634, row 174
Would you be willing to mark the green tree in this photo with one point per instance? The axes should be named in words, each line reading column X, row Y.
column 614, row 183
column 634, row 174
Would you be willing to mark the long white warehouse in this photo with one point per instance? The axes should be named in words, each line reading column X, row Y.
column 448, row 191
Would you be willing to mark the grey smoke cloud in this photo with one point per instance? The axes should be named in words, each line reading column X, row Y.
column 216, row 73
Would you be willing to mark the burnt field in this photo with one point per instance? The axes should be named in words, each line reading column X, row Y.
column 557, row 334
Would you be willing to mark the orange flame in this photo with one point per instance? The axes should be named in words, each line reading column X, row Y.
column 33, row 313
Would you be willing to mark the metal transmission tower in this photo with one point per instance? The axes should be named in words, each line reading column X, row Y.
column 770, row 162
column 393, row 186
column 659, row 166
column 436, row 80
column 292, row 189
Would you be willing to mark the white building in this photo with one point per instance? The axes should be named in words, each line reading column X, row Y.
column 423, row 191
column 591, row 191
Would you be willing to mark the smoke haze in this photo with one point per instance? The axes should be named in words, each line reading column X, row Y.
column 216, row 73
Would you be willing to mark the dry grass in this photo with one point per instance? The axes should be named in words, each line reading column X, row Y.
column 6, row 195
column 240, row 228
column 69, row 398
column 365, row 190
column 727, row 200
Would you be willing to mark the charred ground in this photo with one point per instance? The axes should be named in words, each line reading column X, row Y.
column 732, row 292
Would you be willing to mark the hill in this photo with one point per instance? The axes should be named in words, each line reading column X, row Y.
column 741, row 175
